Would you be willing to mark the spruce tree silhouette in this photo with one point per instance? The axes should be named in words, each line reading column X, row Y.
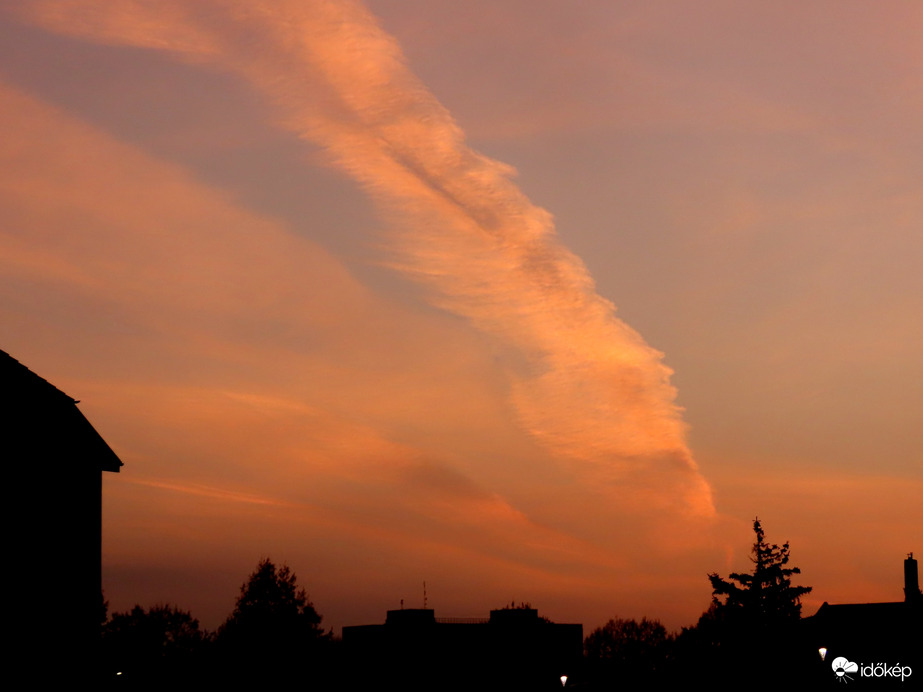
column 753, row 619
column 765, row 598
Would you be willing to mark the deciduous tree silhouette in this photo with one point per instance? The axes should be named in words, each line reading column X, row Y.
column 274, row 627
column 628, row 652
column 160, row 643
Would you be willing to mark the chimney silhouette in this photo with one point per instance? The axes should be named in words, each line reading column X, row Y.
column 911, row 580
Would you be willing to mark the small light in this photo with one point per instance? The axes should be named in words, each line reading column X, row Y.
column 823, row 653
column 563, row 680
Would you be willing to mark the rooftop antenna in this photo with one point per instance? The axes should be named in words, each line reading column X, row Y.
column 424, row 595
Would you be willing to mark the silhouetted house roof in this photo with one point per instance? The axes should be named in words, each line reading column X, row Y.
column 514, row 649
column 45, row 418
column 53, row 458
column 873, row 632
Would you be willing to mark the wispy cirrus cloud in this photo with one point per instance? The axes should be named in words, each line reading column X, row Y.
column 257, row 392
column 583, row 383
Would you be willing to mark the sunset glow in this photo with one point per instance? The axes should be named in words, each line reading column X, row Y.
column 338, row 284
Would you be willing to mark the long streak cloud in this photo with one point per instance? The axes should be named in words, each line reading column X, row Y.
column 583, row 383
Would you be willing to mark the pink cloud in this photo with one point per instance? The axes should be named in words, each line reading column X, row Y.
column 584, row 384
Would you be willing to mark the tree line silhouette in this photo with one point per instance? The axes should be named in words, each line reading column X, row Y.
column 752, row 623
column 274, row 635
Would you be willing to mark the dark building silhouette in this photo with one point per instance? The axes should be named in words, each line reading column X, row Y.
column 912, row 592
column 514, row 649
column 54, row 460
column 874, row 632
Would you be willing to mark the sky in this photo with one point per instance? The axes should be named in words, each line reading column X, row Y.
column 530, row 301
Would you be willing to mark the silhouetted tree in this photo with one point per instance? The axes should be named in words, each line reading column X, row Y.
column 753, row 618
column 765, row 598
column 103, row 609
column 151, row 645
column 274, row 627
column 628, row 652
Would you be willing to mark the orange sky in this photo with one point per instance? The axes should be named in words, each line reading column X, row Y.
column 282, row 256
